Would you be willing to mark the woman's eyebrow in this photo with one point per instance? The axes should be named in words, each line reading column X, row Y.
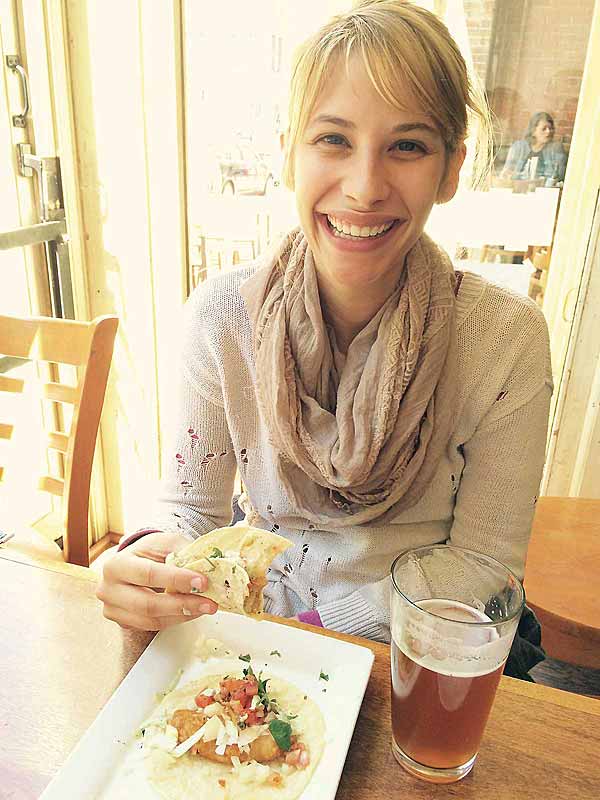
column 404, row 127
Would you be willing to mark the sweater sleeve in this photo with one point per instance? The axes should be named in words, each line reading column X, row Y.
column 498, row 490
column 365, row 612
column 513, row 158
column 200, row 464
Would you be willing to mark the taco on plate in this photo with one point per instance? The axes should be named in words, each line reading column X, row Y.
column 234, row 736
column 235, row 561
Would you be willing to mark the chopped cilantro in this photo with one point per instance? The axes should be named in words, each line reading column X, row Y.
column 323, row 676
column 275, row 653
column 216, row 553
column 281, row 731
column 213, row 568
column 269, row 703
column 247, row 658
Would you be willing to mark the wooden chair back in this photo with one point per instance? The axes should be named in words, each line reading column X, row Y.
column 87, row 346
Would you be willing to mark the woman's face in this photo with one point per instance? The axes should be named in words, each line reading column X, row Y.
column 368, row 169
column 543, row 132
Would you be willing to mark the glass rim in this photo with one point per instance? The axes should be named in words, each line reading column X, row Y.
column 462, row 550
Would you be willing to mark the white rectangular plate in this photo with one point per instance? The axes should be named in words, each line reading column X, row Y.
column 106, row 764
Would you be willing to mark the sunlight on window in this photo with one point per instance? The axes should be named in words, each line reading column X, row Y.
column 237, row 66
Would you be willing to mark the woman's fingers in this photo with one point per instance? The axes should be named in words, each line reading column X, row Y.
column 126, row 619
column 142, row 602
column 134, row 581
column 143, row 571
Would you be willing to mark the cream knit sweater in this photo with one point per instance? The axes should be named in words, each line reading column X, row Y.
column 483, row 495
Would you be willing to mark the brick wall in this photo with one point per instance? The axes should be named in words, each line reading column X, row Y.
column 479, row 16
column 538, row 54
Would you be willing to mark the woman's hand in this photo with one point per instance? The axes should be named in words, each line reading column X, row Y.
column 134, row 582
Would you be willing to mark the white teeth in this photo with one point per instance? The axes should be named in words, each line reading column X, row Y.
column 355, row 231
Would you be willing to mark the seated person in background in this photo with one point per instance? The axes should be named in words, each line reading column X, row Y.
column 538, row 143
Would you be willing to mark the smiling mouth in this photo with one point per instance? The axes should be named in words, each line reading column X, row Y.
column 344, row 230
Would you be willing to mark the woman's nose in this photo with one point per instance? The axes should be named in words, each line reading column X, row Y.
column 365, row 181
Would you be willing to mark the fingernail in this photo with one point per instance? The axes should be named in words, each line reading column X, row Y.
column 198, row 585
column 186, row 612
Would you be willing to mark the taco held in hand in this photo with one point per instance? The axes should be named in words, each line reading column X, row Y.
column 235, row 561
column 234, row 736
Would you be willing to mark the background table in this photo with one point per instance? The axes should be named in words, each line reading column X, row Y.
column 562, row 577
column 61, row 660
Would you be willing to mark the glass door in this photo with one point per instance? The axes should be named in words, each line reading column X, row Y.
column 34, row 265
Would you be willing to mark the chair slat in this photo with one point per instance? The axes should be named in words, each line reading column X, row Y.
column 88, row 346
column 52, row 485
column 58, row 441
column 8, row 384
column 60, row 392
column 62, row 341
column 6, row 431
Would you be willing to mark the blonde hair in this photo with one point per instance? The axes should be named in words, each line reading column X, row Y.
column 403, row 47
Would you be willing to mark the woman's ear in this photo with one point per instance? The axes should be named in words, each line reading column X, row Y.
column 449, row 183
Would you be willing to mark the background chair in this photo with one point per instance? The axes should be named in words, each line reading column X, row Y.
column 72, row 363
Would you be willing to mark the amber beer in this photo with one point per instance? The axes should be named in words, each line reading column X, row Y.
column 454, row 613
column 438, row 716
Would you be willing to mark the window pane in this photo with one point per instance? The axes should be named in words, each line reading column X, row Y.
column 237, row 66
column 530, row 58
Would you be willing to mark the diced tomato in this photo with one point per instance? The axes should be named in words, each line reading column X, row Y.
column 202, row 700
column 232, row 684
column 251, row 689
column 255, row 717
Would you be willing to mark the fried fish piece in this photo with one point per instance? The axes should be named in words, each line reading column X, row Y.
column 263, row 749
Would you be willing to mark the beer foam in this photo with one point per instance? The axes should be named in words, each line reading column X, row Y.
column 440, row 645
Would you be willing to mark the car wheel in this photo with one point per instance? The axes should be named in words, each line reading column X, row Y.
column 228, row 189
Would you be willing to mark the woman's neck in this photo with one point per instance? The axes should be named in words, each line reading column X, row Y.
column 349, row 315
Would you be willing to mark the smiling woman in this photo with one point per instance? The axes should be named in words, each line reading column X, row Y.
column 372, row 399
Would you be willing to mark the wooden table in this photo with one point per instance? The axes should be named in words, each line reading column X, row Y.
column 62, row 660
column 562, row 578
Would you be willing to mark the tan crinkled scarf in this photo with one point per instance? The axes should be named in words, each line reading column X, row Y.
column 357, row 438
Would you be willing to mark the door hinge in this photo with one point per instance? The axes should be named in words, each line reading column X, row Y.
column 47, row 170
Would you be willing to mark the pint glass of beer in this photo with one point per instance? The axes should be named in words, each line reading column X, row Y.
column 454, row 614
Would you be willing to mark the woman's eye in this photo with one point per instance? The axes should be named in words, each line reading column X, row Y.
column 332, row 138
column 409, row 147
